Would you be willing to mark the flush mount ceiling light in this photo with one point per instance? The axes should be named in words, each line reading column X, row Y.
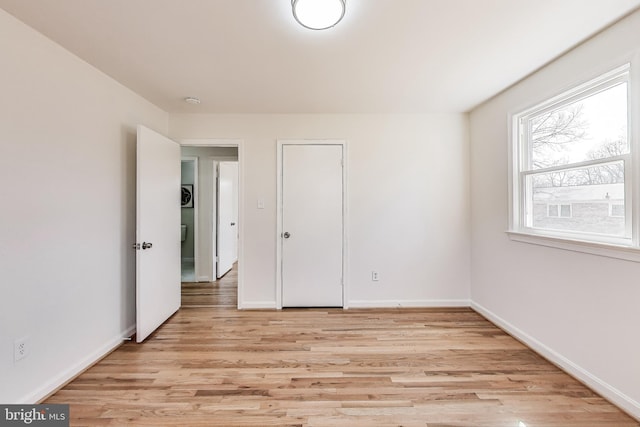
column 192, row 100
column 318, row 14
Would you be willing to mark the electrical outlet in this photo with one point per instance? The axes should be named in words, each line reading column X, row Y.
column 20, row 349
column 375, row 276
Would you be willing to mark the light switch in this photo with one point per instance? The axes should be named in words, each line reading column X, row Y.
column 260, row 204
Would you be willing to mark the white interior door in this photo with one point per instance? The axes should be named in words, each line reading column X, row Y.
column 157, row 231
column 312, row 225
column 227, row 230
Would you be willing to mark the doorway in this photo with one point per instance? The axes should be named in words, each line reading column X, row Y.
column 207, row 283
column 188, row 217
column 311, row 255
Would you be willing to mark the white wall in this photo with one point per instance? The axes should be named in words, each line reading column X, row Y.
column 408, row 195
column 206, row 205
column 67, row 223
column 579, row 310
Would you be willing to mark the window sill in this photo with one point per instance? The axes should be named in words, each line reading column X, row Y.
column 608, row 250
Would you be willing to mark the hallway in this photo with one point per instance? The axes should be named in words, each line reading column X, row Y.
column 223, row 293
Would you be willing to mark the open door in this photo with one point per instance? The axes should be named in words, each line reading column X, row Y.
column 157, row 231
column 227, row 231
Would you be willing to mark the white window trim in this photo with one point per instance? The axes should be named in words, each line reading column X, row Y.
column 625, row 249
column 608, row 250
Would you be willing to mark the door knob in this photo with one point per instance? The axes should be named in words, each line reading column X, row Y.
column 146, row 245
column 233, row 223
column 286, row 235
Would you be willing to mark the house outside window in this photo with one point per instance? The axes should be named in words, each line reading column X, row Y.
column 572, row 173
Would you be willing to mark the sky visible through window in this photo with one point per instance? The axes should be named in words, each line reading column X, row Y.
column 606, row 114
column 592, row 128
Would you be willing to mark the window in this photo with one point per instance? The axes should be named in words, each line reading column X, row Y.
column 572, row 164
column 616, row 210
column 562, row 211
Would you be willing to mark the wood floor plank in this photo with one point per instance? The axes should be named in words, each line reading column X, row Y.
column 221, row 293
column 217, row 366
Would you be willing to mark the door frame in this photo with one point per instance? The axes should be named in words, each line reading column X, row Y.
column 239, row 144
column 345, row 186
column 196, row 208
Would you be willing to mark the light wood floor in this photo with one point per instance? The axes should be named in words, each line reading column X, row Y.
column 221, row 293
column 406, row 367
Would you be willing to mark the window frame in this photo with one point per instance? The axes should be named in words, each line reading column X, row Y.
column 520, row 154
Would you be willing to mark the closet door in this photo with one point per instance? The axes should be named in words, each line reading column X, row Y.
column 312, row 225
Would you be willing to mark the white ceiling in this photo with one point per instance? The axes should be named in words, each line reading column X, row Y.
column 386, row 56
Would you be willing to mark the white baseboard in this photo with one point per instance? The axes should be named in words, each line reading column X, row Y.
column 61, row 379
column 614, row 395
column 408, row 303
column 257, row 305
column 204, row 279
column 271, row 305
